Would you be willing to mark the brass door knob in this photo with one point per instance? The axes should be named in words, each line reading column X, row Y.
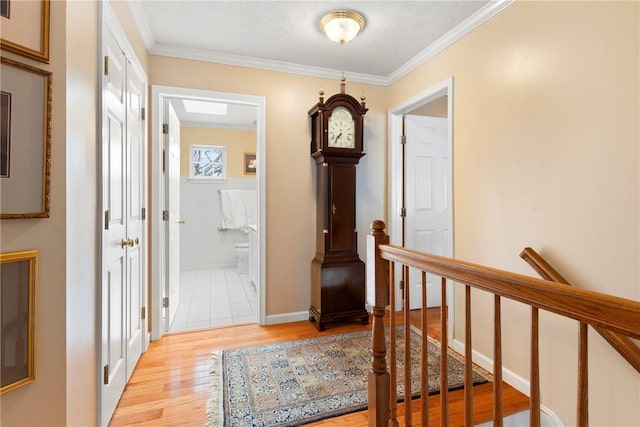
column 126, row 242
column 181, row 221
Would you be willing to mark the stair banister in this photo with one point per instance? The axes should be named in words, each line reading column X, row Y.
column 622, row 344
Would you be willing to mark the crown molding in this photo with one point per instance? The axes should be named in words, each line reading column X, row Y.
column 263, row 64
column 464, row 28
column 136, row 8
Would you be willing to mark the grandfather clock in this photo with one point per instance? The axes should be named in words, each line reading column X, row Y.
column 337, row 273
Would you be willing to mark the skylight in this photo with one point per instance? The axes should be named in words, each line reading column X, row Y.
column 205, row 107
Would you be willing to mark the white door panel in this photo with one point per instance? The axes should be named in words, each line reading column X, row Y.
column 427, row 200
column 114, row 253
column 135, row 228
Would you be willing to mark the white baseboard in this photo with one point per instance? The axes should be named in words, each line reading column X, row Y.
column 515, row 380
column 287, row 318
column 548, row 417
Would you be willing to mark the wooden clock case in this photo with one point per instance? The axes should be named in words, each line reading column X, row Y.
column 337, row 273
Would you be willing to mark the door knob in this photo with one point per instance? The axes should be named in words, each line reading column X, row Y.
column 181, row 221
column 126, row 242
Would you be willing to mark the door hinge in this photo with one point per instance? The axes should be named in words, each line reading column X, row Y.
column 165, row 302
column 403, row 212
column 106, row 65
column 106, row 219
column 142, row 113
column 165, row 215
column 402, row 285
column 143, row 214
column 105, row 374
column 403, row 139
column 165, row 128
column 143, row 314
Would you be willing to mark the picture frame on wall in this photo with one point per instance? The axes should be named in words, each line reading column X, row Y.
column 24, row 28
column 250, row 163
column 18, row 278
column 25, row 140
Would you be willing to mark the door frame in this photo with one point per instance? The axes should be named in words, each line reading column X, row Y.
column 396, row 170
column 159, row 247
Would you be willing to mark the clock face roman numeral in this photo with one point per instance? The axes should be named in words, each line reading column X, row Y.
column 341, row 129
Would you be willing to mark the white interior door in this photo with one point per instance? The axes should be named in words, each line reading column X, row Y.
column 172, row 177
column 115, row 247
column 427, row 192
column 134, row 219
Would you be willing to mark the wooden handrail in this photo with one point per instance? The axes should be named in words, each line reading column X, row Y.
column 589, row 308
column 597, row 309
column 622, row 344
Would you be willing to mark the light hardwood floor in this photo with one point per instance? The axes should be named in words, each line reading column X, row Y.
column 170, row 384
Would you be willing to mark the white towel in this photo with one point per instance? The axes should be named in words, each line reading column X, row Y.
column 234, row 214
column 251, row 206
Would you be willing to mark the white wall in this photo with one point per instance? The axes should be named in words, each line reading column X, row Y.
column 202, row 245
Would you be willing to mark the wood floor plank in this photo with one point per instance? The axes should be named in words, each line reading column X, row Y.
column 169, row 386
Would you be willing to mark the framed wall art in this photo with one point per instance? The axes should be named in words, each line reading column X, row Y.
column 18, row 277
column 25, row 140
column 24, row 28
column 249, row 163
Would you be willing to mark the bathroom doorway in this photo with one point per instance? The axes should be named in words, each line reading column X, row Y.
column 220, row 218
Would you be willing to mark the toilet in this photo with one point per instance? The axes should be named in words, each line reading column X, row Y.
column 242, row 249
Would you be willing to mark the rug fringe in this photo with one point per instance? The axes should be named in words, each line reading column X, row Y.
column 214, row 404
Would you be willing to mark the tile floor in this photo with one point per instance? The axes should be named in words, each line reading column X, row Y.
column 213, row 298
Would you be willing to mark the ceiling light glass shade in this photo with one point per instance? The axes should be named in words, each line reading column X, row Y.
column 342, row 25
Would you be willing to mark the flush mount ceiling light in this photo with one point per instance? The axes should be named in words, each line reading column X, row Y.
column 342, row 25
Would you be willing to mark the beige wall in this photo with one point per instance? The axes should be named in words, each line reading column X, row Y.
column 546, row 136
column 545, row 154
column 290, row 187
column 435, row 108
column 48, row 236
column 65, row 390
column 237, row 143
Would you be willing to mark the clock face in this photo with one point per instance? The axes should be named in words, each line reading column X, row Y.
column 341, row 129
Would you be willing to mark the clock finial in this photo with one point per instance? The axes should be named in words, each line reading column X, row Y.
column 362, row 99
column 342, row 84
column 321, row 93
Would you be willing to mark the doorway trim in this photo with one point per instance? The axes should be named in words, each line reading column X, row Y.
column 159, row 247
column 396, row 178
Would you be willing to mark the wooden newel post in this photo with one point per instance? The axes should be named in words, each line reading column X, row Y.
column 378, row 299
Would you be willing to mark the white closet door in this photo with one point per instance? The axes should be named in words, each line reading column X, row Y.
column 115, row 249
column 135, row 222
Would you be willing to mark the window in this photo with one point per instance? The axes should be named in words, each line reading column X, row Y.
column 208, row 162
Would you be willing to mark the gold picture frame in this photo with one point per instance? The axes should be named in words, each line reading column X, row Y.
column 25, row 28
column 250, row 163
column 25, row 143
column 18, row 278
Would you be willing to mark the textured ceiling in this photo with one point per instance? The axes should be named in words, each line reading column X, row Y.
column 285, row 35
column 287, row 32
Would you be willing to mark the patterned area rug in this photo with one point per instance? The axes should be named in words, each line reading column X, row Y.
column 297, row 382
